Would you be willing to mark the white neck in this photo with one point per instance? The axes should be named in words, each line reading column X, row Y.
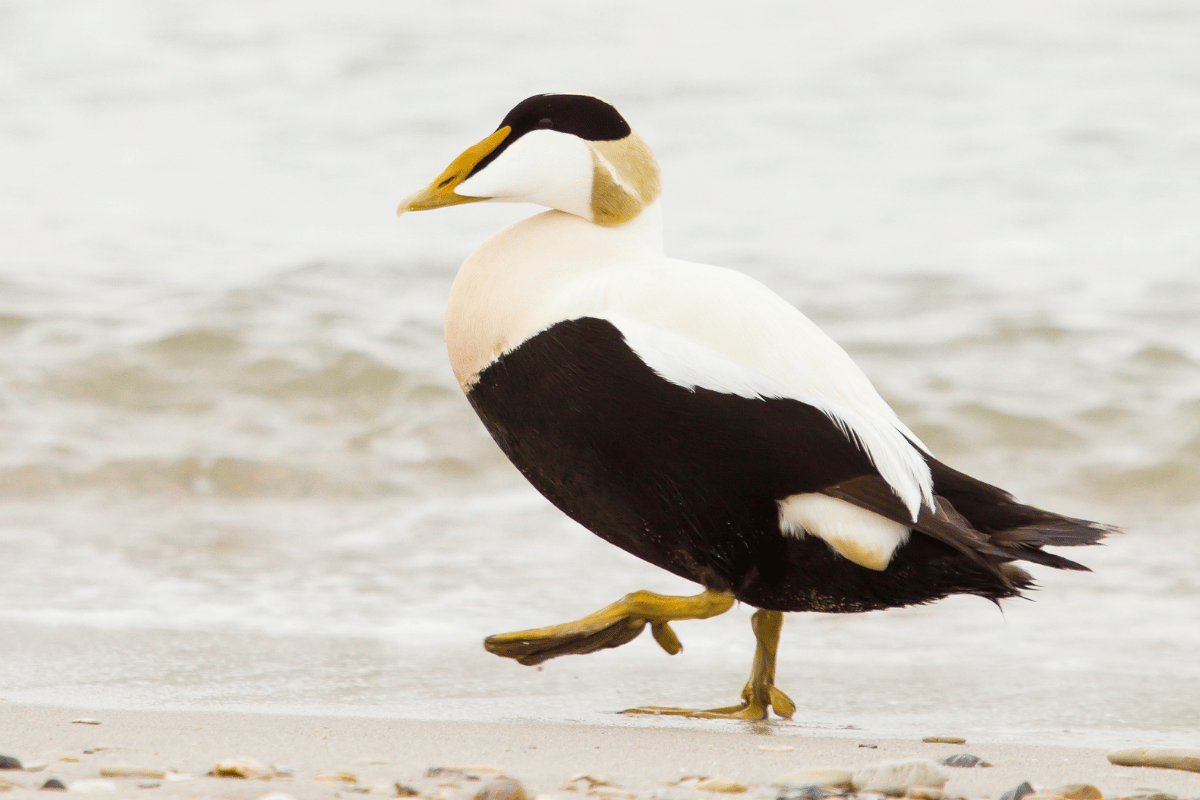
column 500, row 287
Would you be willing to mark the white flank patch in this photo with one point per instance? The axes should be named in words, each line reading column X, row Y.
column 861, row 536
column 545, row 167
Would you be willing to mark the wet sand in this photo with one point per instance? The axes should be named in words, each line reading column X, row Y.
column 642, row 756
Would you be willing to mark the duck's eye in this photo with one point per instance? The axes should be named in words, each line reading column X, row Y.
column 545, row 122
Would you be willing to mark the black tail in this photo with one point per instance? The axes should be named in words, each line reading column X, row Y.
column 1018, row 530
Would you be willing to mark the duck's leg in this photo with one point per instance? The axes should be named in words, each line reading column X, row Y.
column 611, row 626
column 760, row 694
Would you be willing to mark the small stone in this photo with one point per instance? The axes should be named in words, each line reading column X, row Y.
column 1080, row 791
column 468, row 773
column 963, row 760
column 924, row 793
column 83, row 721
column 247, row 768
column 794, row 791
column 92, row 785
column 723, row 785
column 10, row 762
column 121, row 771
column 1150, row 794
column 54, row 785
column 777, row 748
column 1187, row 758
column 36, row 767
column 336, row 776
column 827, row 777
column 149, row 784
column 404, row 791
column 502, row 789
column 1017, row 792
column 71, row 759
column 895, row 777
column 944, row 740
column 869, row 746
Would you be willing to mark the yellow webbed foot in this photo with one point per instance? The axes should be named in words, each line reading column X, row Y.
column 760, row 694
column 752, row 708
column 611, row 626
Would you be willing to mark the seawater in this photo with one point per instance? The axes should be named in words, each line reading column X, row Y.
column 235, row 468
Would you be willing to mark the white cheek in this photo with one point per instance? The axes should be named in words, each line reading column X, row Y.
column 545, row 167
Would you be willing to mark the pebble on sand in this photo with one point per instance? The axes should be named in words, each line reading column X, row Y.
column 1017, row 792
column 10, row 762
column 93, row 785
column 963, row 760
column 472, row 773
column 832, row 777
column 85, row 721
column 336, row 776
column 796, row 791
column 944, row 740
column 897, row 777
column 1079, row 791
column 248, row 768
column 403, row 790
column 608, row 792
column 924, row 793
column 1187, row 758
column 121, row 771
column 54, row 785
column 502, row 789
column 723, row 785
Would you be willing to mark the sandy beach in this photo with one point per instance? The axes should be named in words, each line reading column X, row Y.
column 642, row 758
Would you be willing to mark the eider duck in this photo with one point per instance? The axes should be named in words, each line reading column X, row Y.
column 692, row 417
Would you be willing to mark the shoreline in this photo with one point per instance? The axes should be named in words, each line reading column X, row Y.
column 642, row 760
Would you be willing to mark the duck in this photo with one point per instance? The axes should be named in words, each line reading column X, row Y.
column 692, row 417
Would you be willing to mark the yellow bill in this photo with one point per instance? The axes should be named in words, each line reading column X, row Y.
column 441, row 192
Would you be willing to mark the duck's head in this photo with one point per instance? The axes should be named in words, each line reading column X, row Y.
column 572, row 152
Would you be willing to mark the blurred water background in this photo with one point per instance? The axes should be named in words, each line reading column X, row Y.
column 235, row 470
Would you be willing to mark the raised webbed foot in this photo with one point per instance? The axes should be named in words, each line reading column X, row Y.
column 611, row 626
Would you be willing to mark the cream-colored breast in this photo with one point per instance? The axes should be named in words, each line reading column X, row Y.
column 495, row 301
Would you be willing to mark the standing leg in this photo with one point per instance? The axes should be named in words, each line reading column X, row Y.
column 760, row 694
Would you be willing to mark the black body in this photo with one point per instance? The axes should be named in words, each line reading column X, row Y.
column 688, row 480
